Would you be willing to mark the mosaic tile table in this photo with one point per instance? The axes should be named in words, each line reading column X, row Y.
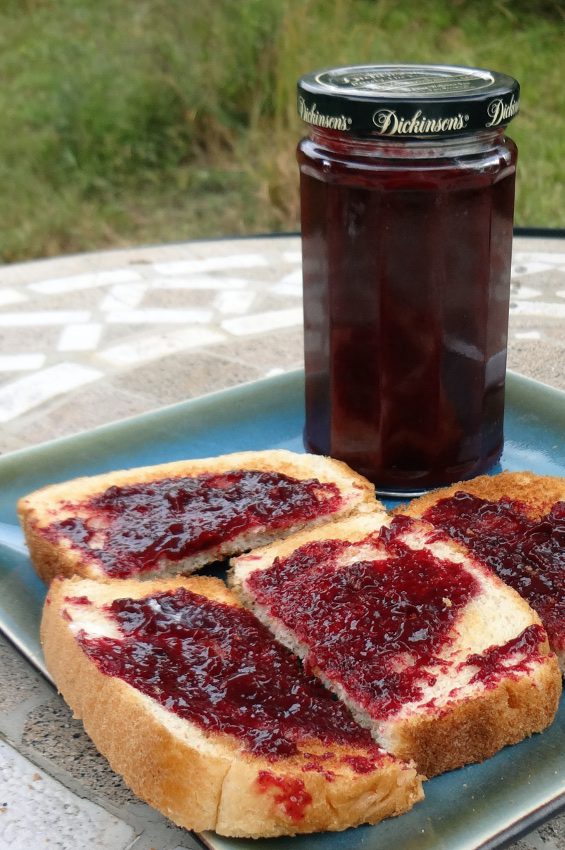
column 93, row 338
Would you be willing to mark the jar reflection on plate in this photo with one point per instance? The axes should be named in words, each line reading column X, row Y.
column 406, row 261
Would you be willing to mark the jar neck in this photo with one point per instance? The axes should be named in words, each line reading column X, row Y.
column 395, row 148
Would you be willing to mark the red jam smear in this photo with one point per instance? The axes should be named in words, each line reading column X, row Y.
column 316, row 767
column 218, row 667
column 527, row 554
column 290, row 793
column 374, row 626
column 359, row 764
column 491, row 663
column 173, row 518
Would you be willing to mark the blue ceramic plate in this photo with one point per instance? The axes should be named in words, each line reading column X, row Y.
column 482, row 806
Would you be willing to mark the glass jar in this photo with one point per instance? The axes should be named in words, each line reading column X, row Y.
column 407, row 202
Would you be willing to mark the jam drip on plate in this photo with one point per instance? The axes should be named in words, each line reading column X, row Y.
column 374, row 626
column 527, row 554
column 217, row 666
column 130, row 529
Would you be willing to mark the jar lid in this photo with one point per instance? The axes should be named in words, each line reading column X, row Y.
column 407, row 101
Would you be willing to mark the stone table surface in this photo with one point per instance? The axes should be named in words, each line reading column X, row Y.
column 89, row 339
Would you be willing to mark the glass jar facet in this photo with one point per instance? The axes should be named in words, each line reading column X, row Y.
column 406, row 263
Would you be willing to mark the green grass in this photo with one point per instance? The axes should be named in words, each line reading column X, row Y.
column 162, row 120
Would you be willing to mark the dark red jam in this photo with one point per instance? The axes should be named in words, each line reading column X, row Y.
column 527, row 554
column 406, row 264
column 218, row 667
column 491, row 663
column 291, row 793
column 319, row 767
column 131, row 529
column 374, row 626
column 359, row 764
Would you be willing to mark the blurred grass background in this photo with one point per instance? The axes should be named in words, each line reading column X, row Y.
column 145, row 121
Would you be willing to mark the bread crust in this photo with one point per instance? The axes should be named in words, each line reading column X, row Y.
column 538, row 492
column 474, row 730
column 469, row 728
column 54, row 502
column 202, row 783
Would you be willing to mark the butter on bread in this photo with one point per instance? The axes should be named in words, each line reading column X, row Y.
column 198, row 778
column 530, row 556
column 489, row 681
column 50, row 516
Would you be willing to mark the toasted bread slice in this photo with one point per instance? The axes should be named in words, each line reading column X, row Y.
column 208, row 718
column 177, row 517
column 515, row 523
column 434, row 654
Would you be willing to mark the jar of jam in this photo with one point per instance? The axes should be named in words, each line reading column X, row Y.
column 407, row 202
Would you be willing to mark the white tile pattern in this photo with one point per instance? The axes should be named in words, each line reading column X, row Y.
column 79, row 282
column 234, row 301
column 212, row 264
column 207, row 293
column 159, row 316
column 519, row 269
column 528, row 334
column 8, row 295
column 80, row 337
column 292, row 256
column 263, row 322
column 42, row 318
column 37, row 811
column 26, row 393
column 160, row 345
column 123, row 295
column 201, row 282
column 539, row 308
column 21, row 362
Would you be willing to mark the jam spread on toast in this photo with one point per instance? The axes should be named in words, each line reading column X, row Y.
column 218, row 667
column 380, row 627
column 528, row 554
column 290, row 793
column 374, row 626
column 130, row 529
column 490, row 664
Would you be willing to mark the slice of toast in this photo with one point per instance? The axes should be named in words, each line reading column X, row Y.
column 515, row 523
column 208, row 718
column 177, row 517
column 434, row 654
